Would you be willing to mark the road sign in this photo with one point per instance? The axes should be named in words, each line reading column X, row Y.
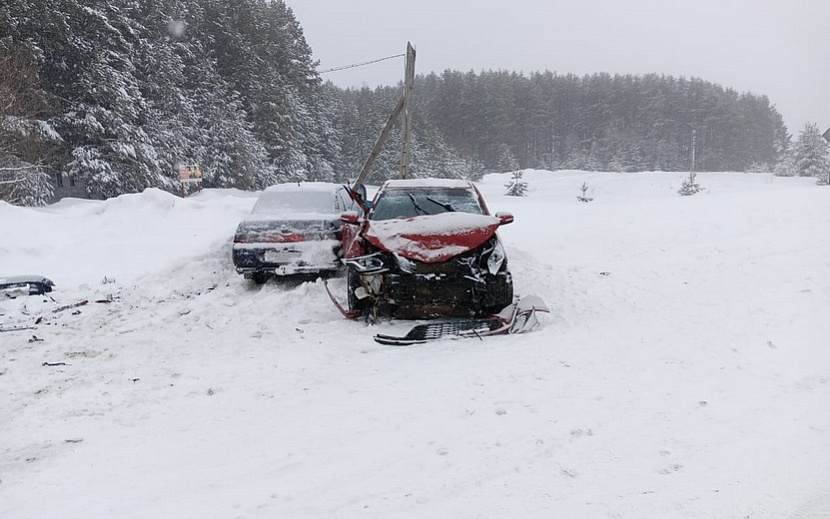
column 190, row 173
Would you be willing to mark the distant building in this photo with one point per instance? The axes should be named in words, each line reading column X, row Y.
column 67, row 187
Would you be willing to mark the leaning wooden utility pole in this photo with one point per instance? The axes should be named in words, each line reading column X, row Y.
column 404, row 106
column 408, row 86
column 367, row 166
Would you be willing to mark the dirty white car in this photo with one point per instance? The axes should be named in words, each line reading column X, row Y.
column 292, row 229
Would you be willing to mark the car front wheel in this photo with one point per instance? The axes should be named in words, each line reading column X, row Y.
column 353, row 283
column 260, row 277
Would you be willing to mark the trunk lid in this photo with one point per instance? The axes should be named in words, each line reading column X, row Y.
column 279, row 230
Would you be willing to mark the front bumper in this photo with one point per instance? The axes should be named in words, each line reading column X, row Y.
column 416, row 296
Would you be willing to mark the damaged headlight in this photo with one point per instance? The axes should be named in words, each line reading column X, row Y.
column 496, row 259
column 369, row 264
column 405, row 265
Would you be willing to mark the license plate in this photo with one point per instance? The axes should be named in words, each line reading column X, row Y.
column 281, row 256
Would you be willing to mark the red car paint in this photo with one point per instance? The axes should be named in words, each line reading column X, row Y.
column 431, row 245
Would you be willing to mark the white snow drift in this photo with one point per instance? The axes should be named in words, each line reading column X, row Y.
column 684, row 371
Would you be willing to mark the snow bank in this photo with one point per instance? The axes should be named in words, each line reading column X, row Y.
column 682, row 373
column 125, row 238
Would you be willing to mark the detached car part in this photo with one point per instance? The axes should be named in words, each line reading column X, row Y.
column 519, row 317
column 25, row 285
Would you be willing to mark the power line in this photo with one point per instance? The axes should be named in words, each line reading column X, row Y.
column 335, row 69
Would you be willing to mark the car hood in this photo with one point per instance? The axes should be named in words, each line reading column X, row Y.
column 432, row 238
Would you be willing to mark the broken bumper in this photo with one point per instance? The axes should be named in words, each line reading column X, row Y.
column 414, row 296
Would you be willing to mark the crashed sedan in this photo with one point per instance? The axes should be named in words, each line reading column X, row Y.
column 292, row 229
column 427, row 248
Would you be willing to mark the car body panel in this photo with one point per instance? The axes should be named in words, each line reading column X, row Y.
column 432, row 238
column 13, row 286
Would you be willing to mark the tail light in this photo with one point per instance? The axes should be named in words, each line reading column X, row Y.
column 281, row 237
column 268, row 237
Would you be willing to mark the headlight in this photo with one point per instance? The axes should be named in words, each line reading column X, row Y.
column 404, row 264
column 494, row 262
column 369, row 264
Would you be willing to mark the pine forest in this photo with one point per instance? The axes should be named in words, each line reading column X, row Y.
column 112, row 96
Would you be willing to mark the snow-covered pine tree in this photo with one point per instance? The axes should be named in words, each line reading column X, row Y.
column 233, row 157
column 689, row 186
column 260, row 52
column 24, row 184
column 26, row 135
column 786, row 164
column 88, row 48
column 507, row 162
column 432, row 157
column 165, row 57
column 516, row 186
column 811, row 154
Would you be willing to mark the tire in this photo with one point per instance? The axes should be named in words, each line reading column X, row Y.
column 352, row 283
column 260, row 278
column 503, row 298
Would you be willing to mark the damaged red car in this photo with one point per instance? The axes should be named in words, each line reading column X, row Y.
column 426, row 248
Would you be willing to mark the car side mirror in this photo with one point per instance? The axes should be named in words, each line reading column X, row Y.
column 350, row 217
column 504, row 217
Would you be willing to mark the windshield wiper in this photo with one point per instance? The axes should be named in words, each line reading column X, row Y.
column 415, row 204
column 446, row 206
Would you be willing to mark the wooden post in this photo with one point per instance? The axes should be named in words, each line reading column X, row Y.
column 367, row 166
column 694, row 145
column 409, row 84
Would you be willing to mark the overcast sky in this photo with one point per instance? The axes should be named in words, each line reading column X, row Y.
column 780, row 48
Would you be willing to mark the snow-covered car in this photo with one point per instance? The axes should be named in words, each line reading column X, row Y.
column 426, row 248
column 292, row 229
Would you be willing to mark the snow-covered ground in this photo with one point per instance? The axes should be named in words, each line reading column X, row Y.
column 684, row 371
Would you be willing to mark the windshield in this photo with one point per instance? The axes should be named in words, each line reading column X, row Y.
column 406, row 203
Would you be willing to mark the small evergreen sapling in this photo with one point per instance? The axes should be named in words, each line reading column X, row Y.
column 584, row 197
column 516, row 186
column 690, row 186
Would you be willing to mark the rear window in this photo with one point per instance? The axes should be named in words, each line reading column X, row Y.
column 406, row 203
column 301, row 202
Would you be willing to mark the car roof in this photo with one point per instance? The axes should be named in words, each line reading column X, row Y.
column 304, row 187
column 317, row 198
column 419, row 183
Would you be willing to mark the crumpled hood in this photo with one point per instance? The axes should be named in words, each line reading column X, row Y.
column 432, row 238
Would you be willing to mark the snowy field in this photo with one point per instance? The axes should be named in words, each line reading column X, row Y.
column 684, row 371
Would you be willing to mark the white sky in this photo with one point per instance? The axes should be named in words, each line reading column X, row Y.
column 780, row 48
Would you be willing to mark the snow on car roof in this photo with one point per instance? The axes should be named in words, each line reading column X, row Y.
column 303, row 198
column 427, row 182
column 304, row 187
